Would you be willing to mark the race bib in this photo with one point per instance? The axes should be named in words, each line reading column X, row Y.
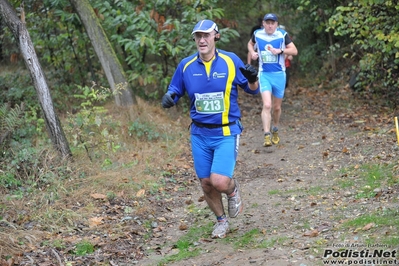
column 209, row 103
column 268, row 57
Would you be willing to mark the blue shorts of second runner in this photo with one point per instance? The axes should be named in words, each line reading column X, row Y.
column 274, row 82
column 214, row 154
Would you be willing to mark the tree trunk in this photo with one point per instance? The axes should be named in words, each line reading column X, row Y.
column 1, row 44
column 106, row 54
column 332, row 53
column 28, row 52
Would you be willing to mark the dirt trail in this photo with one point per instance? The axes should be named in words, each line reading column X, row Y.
column 288, row 189
column 297, row 195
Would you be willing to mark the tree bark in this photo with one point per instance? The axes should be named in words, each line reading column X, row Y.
column 109, row 61
column 1, row 44
column 28, row 52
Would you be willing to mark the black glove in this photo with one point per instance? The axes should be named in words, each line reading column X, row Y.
column 250, row 73
column 167, row 100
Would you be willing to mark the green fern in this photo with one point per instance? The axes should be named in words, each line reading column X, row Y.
column 10, row 119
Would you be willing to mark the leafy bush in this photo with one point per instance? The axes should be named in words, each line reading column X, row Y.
column 16, row 87
column 90, row 129
column 144, row 130
column 10, row 119
column 23, row 165
column 30, row 167
column 373, row 30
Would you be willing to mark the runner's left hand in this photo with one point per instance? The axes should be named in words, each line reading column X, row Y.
column 250, row 73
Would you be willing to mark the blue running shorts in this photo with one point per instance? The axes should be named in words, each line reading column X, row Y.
column 214, row 154
column 274, row 82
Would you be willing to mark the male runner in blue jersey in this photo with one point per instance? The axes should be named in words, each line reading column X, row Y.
column 211, row 78
column 272, row 46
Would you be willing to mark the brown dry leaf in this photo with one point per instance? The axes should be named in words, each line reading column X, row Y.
column 161, row 219
column 140, row 193
column 368, row 226
column 312, row 233
column 313, row 204
column 378, row 194
column 95, row 221
column 301, row 147
column 98, row 196
column 157, row 229
column 201, row 199
column 357, row 230
column 301, row 90
column 345, row 150
column 183, row 227
column 9, row 262
column 189, row 201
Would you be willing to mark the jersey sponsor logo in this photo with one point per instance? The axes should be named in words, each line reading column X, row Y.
column 217, row 75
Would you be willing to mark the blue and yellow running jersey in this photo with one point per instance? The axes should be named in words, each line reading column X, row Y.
column 213, row 95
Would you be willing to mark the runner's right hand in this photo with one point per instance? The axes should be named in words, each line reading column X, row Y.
column 167, row 100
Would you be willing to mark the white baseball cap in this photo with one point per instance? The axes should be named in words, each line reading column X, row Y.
column 206, row 26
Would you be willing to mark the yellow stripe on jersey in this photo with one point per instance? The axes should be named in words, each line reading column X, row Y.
column 231, row 72
column 189, row 62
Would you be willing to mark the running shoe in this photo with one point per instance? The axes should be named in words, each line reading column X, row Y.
column 267, row 141
column 275, row 137
column 220, row 229
column 234, row 202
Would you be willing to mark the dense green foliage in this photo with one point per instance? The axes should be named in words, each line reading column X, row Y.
column 374, row 33
column 359, row 37
column 155, row 36
column 151, row 37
